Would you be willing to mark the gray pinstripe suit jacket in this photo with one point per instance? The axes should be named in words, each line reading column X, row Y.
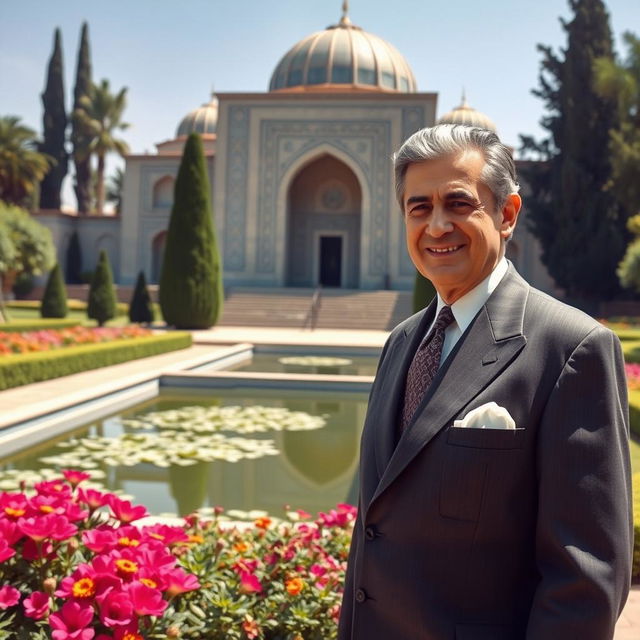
column 480, row 534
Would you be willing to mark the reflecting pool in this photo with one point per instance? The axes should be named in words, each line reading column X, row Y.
column 301, row 363
column 238, row 449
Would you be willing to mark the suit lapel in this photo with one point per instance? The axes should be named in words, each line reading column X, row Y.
column 489, row 345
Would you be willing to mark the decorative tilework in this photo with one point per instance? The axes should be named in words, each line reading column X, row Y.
column 236, row 189
column 283, row 142
column 413, row 118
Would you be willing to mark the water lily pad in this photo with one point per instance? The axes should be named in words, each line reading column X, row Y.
column 315, row 361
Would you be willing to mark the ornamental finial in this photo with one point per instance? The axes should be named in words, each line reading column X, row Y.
column 345, row 13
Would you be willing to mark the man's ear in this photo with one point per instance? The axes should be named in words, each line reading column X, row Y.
column 510, row 212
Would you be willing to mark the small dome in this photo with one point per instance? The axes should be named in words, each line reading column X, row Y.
column 464, row 114
column 343, row 57
column 202, row 120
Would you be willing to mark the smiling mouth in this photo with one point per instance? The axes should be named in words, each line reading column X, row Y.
column 444, row 250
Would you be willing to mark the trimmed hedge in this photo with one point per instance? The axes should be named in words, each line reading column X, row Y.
column 636, row 526
column 38, row 324
column 26, row 368
column 73, row 303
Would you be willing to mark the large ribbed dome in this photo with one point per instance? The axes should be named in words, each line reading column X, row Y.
column 465, row 114
column 202, row 120
column 343, row 57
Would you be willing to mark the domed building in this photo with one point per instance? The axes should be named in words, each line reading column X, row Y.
column 467, row 115
column 301, row 178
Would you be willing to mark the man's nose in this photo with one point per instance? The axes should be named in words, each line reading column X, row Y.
column 439, row 223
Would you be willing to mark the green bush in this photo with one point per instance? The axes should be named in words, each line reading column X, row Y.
column 423, row 292
column 191, row 276
column 101, row 305
column 23, row 285
column 636, row 526
column 141, row 308
column 54, row 299
column 16, row 370
column 74, row 260
column 38, row 324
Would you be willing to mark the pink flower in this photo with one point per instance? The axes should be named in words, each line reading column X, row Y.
column 36, row 606
column 92, row 498
column 51, row 526
column 116, row 610
column 145, row 600
column 14, row 505
column 32, row 551
column 5, row 550
column 56, row 488
column 75, row 477
column 249, row 583
column 166, row 534
column 9, row 531
column 8, row 596
column 178, row 581
column 100, row 540
column 71, row 622
column 124, row 511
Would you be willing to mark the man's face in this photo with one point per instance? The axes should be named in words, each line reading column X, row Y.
column 455, row 236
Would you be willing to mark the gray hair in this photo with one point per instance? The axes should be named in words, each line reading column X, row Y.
column 498, row 173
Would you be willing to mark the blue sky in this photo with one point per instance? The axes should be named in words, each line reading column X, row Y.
column 169, row 54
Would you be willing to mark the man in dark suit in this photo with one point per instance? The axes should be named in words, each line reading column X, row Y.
column 494, row 477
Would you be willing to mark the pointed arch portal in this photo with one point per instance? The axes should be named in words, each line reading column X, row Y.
column 324, row 205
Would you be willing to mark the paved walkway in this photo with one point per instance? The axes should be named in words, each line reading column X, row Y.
column 33, row 400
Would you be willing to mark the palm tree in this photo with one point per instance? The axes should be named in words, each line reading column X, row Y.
column 22, row 167
column 101, row 117
column 114, row 189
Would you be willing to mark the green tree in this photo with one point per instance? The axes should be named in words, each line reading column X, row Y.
column 114, row 189
column 620, row 81
column 22, row 166
column 74, row 260
column 54, row 299
column 141, row 307
column 25, row 245
column 629, row 267
column 79, row 138
column 100, row 117
column 54, row 123
column 423, row 292
column 570, row 211
column 191, row 276
column 101, row 305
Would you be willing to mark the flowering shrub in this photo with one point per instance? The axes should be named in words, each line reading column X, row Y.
column 633, row 375
column 73, row 567
column 12, row 342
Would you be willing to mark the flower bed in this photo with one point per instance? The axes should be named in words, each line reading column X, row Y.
column 633, row 375
column 45, row 340
column 73, row 566
column 24, row 368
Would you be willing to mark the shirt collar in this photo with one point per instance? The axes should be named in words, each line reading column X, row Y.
column 465, row 309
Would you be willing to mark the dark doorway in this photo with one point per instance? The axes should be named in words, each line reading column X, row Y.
column 330, row 261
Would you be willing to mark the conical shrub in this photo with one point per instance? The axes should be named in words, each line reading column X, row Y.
column 101, row 305
column 54, row 299
column 423, row 292
column 191, row 277
column 141, row 307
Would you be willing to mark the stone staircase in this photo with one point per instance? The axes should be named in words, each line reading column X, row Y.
column 339, row 308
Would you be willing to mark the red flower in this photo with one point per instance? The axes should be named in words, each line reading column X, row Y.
column 92, row 498
column 100, row 540
column 124, row 511
column 178, row 581
column 166, row 534
column 116, row 610
column 71, row 622
column 249, row 583
column 55, row 488
column 145, row 600
column 51, row 526
column 8, row 596
column 36, row 606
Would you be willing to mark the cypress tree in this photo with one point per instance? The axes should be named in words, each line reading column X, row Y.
column 54, row 299
column 74, row 260
column 79, row 138
column 191, row 277
column 141, row 307
column 580, row 227
column 423, row 292
column 54, row 125
column 101, row 305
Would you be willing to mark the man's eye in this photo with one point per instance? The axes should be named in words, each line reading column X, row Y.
column 419, row 210
column 459, row 204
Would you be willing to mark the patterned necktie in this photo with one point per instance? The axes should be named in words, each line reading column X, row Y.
column 424, row 366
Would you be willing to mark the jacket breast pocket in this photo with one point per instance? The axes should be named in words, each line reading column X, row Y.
column 468, row 454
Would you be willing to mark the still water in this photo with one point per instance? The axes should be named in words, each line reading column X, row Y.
column 295, row 363
column 309, row 469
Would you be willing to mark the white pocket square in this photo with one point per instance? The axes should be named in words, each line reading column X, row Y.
column 488, row 416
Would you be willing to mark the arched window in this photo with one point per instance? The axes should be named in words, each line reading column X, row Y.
column 163, row 193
